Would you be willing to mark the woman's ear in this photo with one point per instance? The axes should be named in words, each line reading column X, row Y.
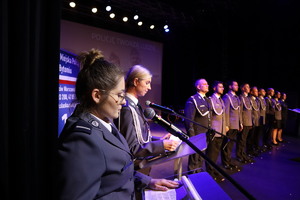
column 135, row 81
column 96, row 95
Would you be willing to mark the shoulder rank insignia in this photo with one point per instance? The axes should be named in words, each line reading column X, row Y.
column 82, row 126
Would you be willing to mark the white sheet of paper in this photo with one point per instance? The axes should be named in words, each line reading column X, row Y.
column 160, row 195
column 173, row 137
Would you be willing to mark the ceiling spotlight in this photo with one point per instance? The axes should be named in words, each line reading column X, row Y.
column 72, row 4
column 140, row 23
column 152, row 27
column 167, row 30
column 135, row 17
column 94, row 10
column 166, row 26
column 108, row 8
column 112, row 15
column 125, row 19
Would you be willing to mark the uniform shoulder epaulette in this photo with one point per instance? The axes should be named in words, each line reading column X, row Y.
column 82, row 126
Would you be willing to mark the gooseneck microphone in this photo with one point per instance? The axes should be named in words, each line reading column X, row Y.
column 150, row 114
column 159, row 107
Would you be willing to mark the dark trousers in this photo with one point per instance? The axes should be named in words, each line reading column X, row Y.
column 212, row 152
column 227, row 146
column 268, row 130
column 252, row 140
column 259, row 132
column 195, row 163
column 241, row 143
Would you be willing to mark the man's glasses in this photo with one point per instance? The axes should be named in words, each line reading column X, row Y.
column 121, row 97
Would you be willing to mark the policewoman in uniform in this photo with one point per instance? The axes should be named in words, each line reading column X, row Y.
column 94, row 160
column 133, row 124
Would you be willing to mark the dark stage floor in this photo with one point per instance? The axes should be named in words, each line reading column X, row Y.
column 275, row 174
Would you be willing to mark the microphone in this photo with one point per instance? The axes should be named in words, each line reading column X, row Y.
column 150, row 114
column 159, row 107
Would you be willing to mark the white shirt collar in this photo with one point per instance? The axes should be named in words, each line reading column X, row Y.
column 233, row 93
column 133, row 98
column 201, row 95
column 217, row 95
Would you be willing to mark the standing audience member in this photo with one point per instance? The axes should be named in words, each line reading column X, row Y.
column 246, row 110
column 94, row 160
column 233, row 123
column 284, row 114
column 262, row 120
column 198, row 109
column 132, row 122
column 218, row 124
column 278, row 117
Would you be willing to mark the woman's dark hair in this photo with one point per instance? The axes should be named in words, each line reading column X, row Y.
column 95, row 72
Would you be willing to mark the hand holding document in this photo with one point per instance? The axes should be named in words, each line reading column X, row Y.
column 173, row 137
column 172, row 143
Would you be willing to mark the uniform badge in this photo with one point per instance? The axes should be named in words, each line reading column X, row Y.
column 95, row 123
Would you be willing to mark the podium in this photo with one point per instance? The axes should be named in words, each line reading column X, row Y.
column 182, row 150
column 206, row 187
column 198, row 143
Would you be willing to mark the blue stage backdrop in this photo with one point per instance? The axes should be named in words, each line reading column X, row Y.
column 68, row 71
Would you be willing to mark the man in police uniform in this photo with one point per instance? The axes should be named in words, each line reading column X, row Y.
column 218, row 125
column 252, row 140
column 246, row 112
column 233, row 123
column 198, row 109
column 270, row 117
column 262, row 119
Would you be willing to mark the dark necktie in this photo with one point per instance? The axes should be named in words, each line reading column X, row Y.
column 141, row 110
column 143, row 116
column 206, row 101
column 221, row 102
column 115, row 132
column 140, row 107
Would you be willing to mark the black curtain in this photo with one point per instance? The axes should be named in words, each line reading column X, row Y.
column 29, row 56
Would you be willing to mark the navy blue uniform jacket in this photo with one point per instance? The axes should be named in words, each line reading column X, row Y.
column 154, row 147
column 94, row 164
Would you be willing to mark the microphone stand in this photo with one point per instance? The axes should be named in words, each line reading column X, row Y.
column 209, row 129
column 196, row 149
